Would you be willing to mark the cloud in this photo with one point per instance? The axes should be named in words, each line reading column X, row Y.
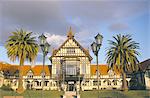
column 95, row 12
column 36, row 16
column 55, row 40
column 39, row 59
column 55, row 16
column 118, row 27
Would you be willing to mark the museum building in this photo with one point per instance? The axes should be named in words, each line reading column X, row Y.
column 71, row 70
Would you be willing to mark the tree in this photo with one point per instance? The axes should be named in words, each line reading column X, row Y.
column 21, row 45
column 122, row 54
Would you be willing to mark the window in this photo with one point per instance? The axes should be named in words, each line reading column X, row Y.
column 43, row 74
column 86, row 83
column 46, row 83
column 30, row 74
column 71, row 70
column 51, row 84
column 37, row 82
column 99, row 82
column 108, row 82
column 84, row 68
column 115, row 82
column 111, row 73
column 95, row 83
column 40, row 84
column 147, row 73
column 70, row 50
column 57, row 71
column 15, row 83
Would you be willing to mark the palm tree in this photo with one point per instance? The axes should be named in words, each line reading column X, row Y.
column 122, row 54
column 22, row 46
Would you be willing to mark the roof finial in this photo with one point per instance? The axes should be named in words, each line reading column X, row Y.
column 70, row 29
column 70, row 33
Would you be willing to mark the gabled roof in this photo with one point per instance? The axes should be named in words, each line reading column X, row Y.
column 8, row 67
column 71, row 36
column 103, row 69
column 26, row 68
column 144, row 65
column 37, row 70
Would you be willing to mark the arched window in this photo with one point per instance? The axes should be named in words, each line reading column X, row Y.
column 115, row 82
column 46, row 83
column 94, row 83
column 108, row 82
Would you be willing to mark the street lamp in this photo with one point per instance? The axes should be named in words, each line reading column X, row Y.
column 45, row 49
column 95, row 48
column 78, row 75
column 63, row 72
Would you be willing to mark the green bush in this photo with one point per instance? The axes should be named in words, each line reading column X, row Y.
column 6, row 88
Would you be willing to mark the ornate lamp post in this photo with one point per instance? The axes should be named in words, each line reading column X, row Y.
column 63, row 72
column 95, row 48
column 78, row 73
column 45, row 49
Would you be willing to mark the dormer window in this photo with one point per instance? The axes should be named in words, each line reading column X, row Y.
column 111, row 73
column 43, row 74
column 30, row 74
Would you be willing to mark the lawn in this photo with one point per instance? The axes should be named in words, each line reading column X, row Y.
column 116, row 94
column 32, row 94
column 85, row 94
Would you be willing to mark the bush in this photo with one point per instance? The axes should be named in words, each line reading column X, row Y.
column 6, row 88
column 135, row 85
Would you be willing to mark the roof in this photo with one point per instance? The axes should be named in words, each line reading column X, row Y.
column 103, row 69
column 8, row 67
column 26, row 68
column 71, row 36
column 144, row 65
column 37, row 70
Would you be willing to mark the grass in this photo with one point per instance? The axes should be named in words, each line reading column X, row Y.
column 84, row 94
column 32, row 94
column 116, row 94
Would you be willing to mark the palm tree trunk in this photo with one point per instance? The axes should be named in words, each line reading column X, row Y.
column 20, row 85
column 124, row 82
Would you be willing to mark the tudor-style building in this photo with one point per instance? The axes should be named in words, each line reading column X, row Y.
column 71, row 70
column 70, row 62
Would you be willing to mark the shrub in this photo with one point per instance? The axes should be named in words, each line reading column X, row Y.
column 6, row 88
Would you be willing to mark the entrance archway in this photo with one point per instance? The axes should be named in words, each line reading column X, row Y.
column 71, row 86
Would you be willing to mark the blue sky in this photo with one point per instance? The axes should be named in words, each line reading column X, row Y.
column 87, row 18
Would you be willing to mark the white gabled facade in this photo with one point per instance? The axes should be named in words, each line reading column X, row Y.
column 70, row 60
column 71, row 53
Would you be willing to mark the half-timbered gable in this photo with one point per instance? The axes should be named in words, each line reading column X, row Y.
column 72, row 58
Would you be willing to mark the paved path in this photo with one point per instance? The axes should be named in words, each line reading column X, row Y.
column 69, row 94
column 13, row 97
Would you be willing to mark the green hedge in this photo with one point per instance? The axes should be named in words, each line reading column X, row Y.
column 6, row 88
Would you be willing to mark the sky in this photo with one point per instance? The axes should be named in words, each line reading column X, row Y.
column 86, row 17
